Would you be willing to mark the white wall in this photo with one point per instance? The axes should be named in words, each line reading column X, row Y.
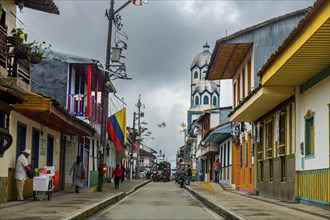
column 315, row 99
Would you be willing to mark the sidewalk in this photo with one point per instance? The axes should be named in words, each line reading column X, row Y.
column 68, row 204
column 237, row 205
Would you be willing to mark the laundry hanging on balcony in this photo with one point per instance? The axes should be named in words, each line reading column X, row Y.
column 116, row 128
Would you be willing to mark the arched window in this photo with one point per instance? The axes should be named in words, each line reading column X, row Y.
column 196, row 75
column 214, row 100
column 206, row 100
column 196, row 100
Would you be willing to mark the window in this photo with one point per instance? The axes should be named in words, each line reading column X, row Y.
column 206, row 100
column 21, row 138
column 282, row 130
column 240, row 155
column 243, row 82
column 196, row 100
column 235, row 94
column 249, row 76
column 238, row 89
column 269, row 138
column 228, row 155
column 283, row 169
column 214, row 100
column 246, row 153
column 224, row 155
column 309, row 133
column 271, row 172
column 195, row 75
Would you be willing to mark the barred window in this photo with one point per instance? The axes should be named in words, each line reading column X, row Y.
column 309, row 135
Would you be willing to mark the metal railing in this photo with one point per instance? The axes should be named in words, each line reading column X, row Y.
column 77, row 106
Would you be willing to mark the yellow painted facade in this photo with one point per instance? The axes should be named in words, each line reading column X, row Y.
column 7, row 163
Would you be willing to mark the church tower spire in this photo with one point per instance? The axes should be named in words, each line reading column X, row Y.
column 205, row 94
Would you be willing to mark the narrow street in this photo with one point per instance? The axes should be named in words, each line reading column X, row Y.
column 158, row 201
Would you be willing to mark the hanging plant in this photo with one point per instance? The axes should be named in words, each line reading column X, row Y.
column 37, row 51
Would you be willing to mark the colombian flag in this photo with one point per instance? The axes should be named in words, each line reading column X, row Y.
column 116, row 127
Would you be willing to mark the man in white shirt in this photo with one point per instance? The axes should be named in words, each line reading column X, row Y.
column 22, row 166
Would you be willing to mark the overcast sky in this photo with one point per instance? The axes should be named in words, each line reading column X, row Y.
column 164, row 36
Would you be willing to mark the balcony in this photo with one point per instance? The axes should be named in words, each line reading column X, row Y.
column 15, row 72
column 269, row 153
column 210, row 150
column 77, row 106
column 259, row 152
column 3, row 46
column 281, row 150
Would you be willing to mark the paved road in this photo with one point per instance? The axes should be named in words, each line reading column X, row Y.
column 158, row 201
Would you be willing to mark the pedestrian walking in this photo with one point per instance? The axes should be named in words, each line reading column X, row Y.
column 122, row 173
column 79, row 174
column 117, row 174
column 189, row 175
column 216, row 168
column 22, row 167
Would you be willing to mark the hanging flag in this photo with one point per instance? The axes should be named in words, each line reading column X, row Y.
column 116, row 127
column 137, row 2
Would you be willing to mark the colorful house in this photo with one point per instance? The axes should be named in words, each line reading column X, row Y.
column 239, row 57
column 79, row 85
column 290, row 110
column 15, row 83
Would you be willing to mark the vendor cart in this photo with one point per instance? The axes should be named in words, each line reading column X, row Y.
column 43, row 183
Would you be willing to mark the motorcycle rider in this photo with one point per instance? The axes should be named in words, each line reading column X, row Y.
column 181, row 177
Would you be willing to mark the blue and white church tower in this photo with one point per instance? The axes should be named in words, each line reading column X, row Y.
column 205, row 94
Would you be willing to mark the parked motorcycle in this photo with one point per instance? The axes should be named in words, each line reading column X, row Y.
column 155, row 176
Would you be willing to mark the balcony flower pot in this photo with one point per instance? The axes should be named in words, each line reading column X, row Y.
column 35, row 58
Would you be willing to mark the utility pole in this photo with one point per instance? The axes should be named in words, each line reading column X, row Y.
column 131, row 167
column 110, row 14
column 139, row 133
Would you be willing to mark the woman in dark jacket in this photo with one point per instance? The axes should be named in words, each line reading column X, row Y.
column 117, row 174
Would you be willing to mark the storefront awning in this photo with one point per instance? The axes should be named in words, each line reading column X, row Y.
column 50, row 113
column 219, row 135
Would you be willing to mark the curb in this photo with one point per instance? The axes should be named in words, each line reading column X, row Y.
column 138, row 187
column 94, row 208
column 215, row 207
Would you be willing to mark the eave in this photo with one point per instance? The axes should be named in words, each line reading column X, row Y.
column 227, row 60
column 49, row 113
column 304, row 54
column 262, row 101
column 47, row 6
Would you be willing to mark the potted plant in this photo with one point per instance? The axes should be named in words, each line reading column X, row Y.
column 37, row 50
column 18, row 36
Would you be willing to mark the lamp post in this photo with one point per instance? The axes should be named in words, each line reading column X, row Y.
column 110, row 14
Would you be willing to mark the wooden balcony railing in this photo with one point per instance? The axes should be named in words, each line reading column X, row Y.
column 19, row 69
column 281, row 150
column 3, row 46
column 269, row 153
